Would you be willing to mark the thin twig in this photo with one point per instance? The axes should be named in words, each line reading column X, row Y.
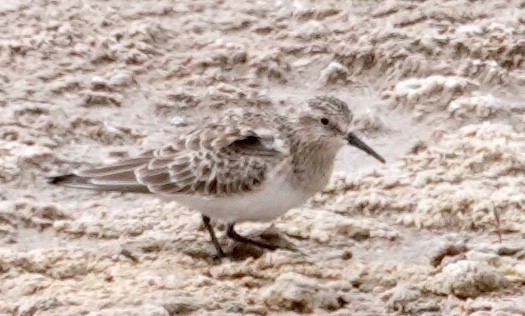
column 498, row 224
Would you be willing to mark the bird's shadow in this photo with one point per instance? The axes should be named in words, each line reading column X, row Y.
column 239, row 251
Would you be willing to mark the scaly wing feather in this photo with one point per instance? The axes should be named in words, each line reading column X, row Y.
column 216, row 160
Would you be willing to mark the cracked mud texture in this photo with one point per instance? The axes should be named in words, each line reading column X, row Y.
column 436, row 88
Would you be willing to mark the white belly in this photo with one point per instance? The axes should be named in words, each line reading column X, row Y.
column 273, row 199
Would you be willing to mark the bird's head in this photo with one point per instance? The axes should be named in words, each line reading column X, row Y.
column 329, row 120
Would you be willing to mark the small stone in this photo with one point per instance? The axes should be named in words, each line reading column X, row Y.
column 333, row 73
column 256, row 309
column 508, row 251
column 93, row 99
column 398, row 297
column 447, row 250
column 467, row 279
column 98, row 82
column 128, row 254
column 347, row 255
column 183, row 305
column 179, row 121
column 311, row 30
column 123, row 78
column 520, row 255
column 235, row 308
column 32, row 306
column 354, row 231
column 294, row 291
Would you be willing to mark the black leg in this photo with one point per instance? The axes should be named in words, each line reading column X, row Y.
column 218, row 248
column 233, row 235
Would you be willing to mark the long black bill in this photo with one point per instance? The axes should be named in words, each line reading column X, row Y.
column 356, row 142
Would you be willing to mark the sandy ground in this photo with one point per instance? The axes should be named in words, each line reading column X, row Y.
column 435, row 87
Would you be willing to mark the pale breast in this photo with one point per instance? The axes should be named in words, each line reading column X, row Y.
column 272, row 199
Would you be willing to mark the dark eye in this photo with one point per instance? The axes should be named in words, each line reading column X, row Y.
column 325, row 121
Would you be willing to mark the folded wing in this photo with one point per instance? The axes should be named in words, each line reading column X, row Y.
column 218, row 160
column 215, row 162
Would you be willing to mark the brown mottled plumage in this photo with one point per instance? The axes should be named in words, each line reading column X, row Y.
column 247, row 167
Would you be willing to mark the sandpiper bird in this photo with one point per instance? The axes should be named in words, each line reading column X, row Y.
column 251, row 167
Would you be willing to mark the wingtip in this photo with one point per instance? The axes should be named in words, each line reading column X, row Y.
column 57, row 180
column 75, row 181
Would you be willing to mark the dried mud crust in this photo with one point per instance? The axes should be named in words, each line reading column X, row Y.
column 435, row 87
